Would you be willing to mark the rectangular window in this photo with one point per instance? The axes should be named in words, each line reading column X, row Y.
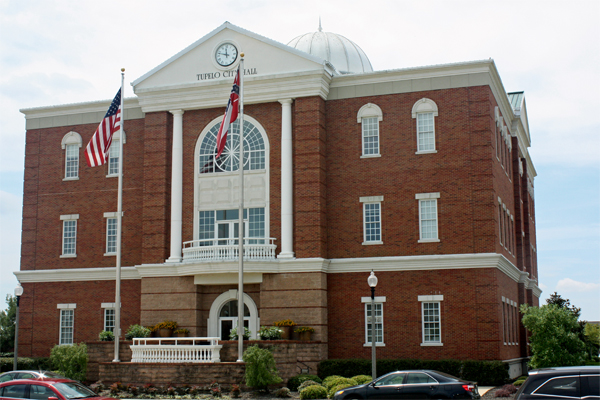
column 66, row 326
column 378, row 324
column 113, row 158
column 111, row 235
column 370, row 136
column 431, row 322
column 372, row 222
column 220, row 227
column 109, row 319
column 72, row 161
column 256, row 225
column 425, row 132
column 428, row 219
column 69, row 245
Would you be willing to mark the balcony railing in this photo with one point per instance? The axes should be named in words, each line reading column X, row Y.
column 255, row 249
column 172, row 350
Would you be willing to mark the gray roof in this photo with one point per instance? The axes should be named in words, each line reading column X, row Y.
column 516, row 99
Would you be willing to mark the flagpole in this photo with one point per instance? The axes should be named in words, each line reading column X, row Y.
column 240, row 326
column 117, row 330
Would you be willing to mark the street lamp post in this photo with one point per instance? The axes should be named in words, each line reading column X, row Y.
column 18, row 294
column 372, row 281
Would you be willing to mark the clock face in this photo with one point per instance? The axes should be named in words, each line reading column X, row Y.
column 226, row 54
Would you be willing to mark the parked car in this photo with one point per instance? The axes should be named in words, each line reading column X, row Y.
column 9, row 376
column 561, row 383
column 414, row 384
column 46, row 389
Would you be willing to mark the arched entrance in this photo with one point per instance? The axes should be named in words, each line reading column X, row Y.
column 224, row 316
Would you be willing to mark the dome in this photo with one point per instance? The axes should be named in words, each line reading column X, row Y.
column 343, row 54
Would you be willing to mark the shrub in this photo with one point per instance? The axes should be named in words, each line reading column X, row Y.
column 167, row 325
column 235, row 391
column 502, row 393
column 261, row 369
column 327, row 381
column 234, row 336
column 362, row 379
column 70, row 360
column 135, row 331
column 307, row 383
column 283, row 392
column 485, row 373
column 347, row 368
column 519, row 381
column 42, row 363
column 313, row 392
column 339, row 381
column 106, row 336
column 295, row 381
column 270, row 333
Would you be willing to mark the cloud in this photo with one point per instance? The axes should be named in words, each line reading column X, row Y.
column 570, row 285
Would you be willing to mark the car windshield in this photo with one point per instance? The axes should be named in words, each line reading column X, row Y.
column 53, row 375
column 72, row 390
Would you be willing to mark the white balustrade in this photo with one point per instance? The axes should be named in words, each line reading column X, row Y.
column 175, row 350
column 255, row 249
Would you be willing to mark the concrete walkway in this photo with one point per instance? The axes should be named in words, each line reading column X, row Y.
column 484, row 389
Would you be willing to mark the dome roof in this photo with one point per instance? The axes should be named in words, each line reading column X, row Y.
column 343, row 54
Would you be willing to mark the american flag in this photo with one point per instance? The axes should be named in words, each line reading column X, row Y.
column 96, row 152
column 231, row 114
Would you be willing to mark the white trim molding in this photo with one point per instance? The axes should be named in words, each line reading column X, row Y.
column 66, row 306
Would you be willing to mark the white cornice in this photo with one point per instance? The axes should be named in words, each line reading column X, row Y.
column 75, row 274
column 338, row 265
column 257, row 89
column 75, row 108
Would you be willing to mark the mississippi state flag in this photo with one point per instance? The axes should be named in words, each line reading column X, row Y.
column 231, row 114
column 96, row 152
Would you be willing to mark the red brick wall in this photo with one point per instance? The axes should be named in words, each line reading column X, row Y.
column 470, row 313
column 461, row 171
column 39, row 319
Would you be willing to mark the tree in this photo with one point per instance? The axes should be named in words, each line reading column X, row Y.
column 592, row 336
column 557, row 300
column 7, row 325
column 261, row 370
column 554, row 341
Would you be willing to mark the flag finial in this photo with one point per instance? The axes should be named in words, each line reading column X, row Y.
column 122, row 69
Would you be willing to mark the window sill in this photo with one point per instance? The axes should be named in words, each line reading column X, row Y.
column 432, row 344
column 112, row 175
column 109, row 255
column 372, row 243
column 76, row 178
column 426, row 152
column 376, row 345
column 429, row 240
column 68, row 255
column 370, row 156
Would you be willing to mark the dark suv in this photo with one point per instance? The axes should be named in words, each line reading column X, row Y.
column 561, row 383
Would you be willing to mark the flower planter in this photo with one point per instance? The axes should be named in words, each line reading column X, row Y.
column 181, row 334
column 304, row 335
column 162, row 332
column 287, row 332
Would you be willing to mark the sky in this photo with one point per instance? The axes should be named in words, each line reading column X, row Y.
column 62, row 52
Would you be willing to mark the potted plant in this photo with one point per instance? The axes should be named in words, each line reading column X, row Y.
column 181, row 332
column 270, row 333
column 166, row 328
column 137, row 331
column 304, row 332
column 286, row 326
column 234, row 336
column 106, row 336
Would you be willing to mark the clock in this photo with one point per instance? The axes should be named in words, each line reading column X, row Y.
column 226, row 54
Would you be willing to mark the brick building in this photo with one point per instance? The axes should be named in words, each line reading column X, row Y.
column 421, row 174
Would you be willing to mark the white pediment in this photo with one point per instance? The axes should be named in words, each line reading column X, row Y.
column 193, row 76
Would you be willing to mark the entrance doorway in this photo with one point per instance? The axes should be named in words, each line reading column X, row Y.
column 228, row 318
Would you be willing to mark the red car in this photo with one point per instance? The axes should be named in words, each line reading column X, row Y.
column 46, row 389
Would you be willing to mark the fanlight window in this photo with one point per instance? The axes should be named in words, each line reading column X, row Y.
column 229, row 161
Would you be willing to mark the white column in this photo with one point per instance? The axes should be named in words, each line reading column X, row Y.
column 176, row 186
column 287, row 183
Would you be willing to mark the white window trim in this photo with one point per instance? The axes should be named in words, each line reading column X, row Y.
column 109, row 215
column 378, row 300
column 424, row 106
column 428, row 196
column 372, row 200
column 437, row 298
column 116, row 137
column 68, row 217
column 370, row 110
column 61, row 307
column 71, row 138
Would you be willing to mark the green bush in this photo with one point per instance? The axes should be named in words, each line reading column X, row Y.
column 485, row 373
column 282, row 392
column 70, row 360
column 339, row 381
column 295, row 381
column 313, row 392
column 362, row 379
column 270, row 333
column 106, row 336
column 261, row 369
column 42, row 363
column 307, row 383
column 327, row 381
column 137, row 331
column 519, row 382
column 347, row 368
column 334, row 389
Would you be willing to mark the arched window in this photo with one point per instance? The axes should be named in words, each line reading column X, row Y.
column 228, row 318
column 71, row 143
column 425, row 111
column 369, row 117
column 254, row 149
